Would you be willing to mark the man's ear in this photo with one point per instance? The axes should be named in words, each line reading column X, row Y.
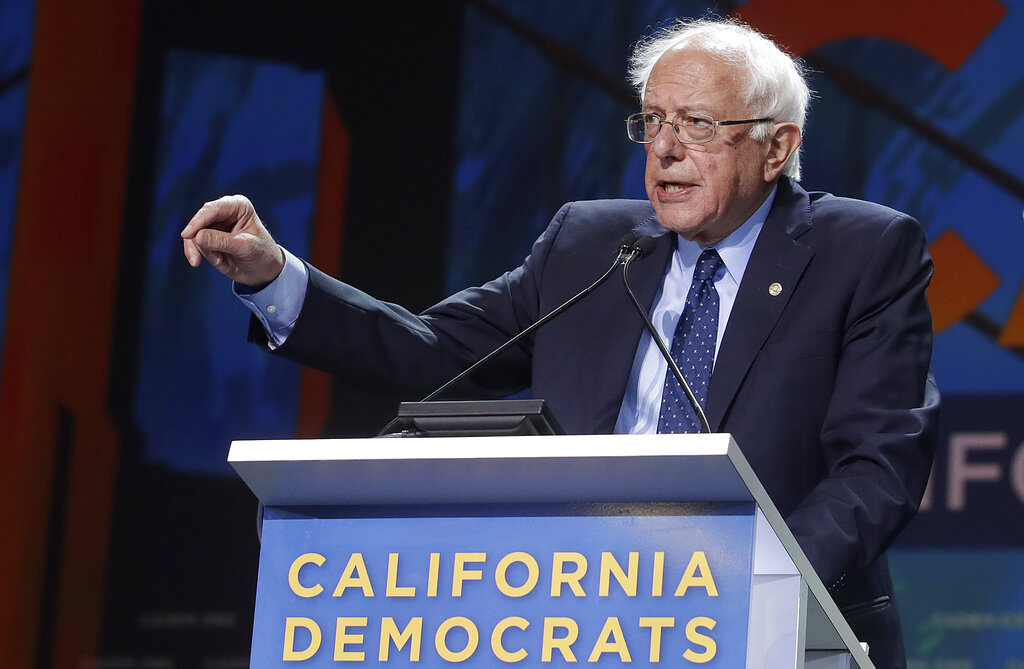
column 781, row 145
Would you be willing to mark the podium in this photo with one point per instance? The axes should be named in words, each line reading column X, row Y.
column 646, row 550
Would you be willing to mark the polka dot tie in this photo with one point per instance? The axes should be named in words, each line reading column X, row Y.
column 693, row 348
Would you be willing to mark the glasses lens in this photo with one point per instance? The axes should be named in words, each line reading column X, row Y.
column 695, row 128
column 652, row 126
column 636, row 128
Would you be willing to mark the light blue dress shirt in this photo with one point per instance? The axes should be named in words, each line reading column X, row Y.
column 641, row 404
column 277, row 306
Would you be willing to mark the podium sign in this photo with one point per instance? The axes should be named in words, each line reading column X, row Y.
column 533, row 551
column 644, row 590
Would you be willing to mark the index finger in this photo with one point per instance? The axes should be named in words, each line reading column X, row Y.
column 230, row 208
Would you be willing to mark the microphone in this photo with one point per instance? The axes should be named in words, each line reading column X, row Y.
column 643, row 247
column 628, row 251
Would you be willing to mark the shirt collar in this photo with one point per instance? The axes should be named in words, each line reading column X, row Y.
column 735, row 249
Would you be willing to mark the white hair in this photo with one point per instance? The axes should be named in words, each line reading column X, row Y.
column 775, row 86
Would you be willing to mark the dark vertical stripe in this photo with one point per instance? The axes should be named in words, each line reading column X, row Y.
column 56, row 522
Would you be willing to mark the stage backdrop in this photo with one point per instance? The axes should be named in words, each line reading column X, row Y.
column 494, row 114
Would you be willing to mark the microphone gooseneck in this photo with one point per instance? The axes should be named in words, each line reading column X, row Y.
column 643, row 247
column 628, row 251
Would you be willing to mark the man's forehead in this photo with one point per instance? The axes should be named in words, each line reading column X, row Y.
column 685, row 72
column 688, row 64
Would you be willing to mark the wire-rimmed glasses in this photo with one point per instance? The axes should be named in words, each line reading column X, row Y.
column 689, row 127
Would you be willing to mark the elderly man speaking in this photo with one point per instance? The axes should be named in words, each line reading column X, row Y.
column 799, row 319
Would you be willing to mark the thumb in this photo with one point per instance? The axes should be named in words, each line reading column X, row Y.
column 215, row 241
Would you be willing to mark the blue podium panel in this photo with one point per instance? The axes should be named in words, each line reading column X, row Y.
column 667, row 586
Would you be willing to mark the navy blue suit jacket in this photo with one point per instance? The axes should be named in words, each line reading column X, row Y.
column 825, row 386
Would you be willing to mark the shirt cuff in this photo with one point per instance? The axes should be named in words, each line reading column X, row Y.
column 277, row 306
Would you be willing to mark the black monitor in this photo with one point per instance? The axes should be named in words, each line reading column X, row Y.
column 473, row 418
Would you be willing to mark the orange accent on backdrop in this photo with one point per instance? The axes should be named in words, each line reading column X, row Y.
column 961, row 283
column 949, row 31
column 1013, row 330
column 59, row 323
column 325, row 254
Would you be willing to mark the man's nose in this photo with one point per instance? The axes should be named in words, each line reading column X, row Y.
column 666, row 144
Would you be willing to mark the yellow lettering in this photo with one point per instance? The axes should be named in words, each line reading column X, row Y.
column 441, row 639
column 656, row 625
column 659, row 574
column 462, row 574
column 354, row 576
column 499, row 648
column 292, row 655
column 343, row 638
column 293, row 574
column 435, row 567
column 412, row 634
column 393, row 589
column 563, row 644
column 572, row 579
column 532, row 576
column 611, row 628
column 698, row 563
column 709, row 645
column 611, row 567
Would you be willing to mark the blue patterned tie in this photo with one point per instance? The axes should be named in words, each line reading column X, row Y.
column 693, row 348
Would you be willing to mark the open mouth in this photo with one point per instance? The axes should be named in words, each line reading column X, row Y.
column 671, row 187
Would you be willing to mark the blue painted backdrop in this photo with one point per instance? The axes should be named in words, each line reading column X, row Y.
column 227, row 125
column 15, row 47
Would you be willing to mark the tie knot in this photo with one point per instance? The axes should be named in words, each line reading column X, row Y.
column 707, row 265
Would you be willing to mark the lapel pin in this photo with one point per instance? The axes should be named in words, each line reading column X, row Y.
column 775, row 289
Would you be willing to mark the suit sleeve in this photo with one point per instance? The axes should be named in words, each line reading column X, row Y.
column 878, row 437
column 346, row 332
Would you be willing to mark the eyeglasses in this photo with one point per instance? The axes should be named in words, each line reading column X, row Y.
column 690, row 128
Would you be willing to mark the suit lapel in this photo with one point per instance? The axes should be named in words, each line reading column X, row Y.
column 623, row 331
column 777, row 258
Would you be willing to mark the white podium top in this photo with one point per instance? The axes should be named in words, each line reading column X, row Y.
column 456, row 470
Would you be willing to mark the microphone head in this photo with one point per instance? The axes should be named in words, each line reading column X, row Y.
column 644, row 246
column 626, row 243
